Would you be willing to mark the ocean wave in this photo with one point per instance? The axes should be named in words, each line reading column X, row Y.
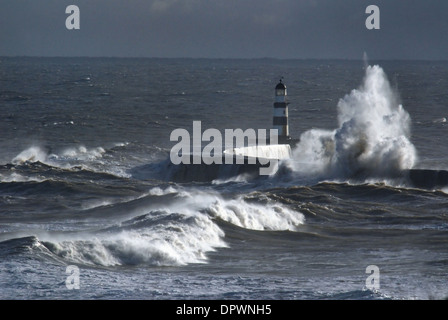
column 40, row 172
column 64, row 159
column 269, row 216
column 32, row 154
column 241, row 211
column 180, row 228
column 24, row 245
column 49, row 187
column 178, row 240
column 17, row 177
column 79, row 157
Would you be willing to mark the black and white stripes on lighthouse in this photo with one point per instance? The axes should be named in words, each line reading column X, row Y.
column 281, row 113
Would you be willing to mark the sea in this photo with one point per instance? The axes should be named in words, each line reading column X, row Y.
column 93, row 208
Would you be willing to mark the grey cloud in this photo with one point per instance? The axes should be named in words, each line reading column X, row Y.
column 412, row 29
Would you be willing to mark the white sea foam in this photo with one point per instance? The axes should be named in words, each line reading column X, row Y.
column 16, row 177
column 39, row 154
column 178, row 232
column 272, row 216
column 81, row 153
column 73, row 157
column 373, row 135
column 157, row 191
column 238, row 211
column 167, row 244
column 32, row 154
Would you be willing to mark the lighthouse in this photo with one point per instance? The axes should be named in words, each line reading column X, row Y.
column 280, row 121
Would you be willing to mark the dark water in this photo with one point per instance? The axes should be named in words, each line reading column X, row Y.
column 85, row 181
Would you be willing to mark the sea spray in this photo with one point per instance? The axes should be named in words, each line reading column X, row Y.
column 78, row 157
column 32, row 154
column 373, row 138
column 40, row 154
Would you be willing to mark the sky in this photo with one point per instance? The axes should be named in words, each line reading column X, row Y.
column 284, row 29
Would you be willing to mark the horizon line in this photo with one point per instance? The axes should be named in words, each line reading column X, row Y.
column 218, row 58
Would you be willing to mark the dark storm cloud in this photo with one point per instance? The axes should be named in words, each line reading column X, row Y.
column 225, row 28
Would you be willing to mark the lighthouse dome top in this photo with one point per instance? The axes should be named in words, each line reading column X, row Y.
column 280, row 86
column 280, row 89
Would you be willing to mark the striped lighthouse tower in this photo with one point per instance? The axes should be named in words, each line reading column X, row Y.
column 281, row 113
